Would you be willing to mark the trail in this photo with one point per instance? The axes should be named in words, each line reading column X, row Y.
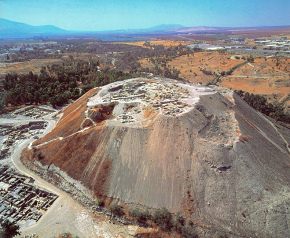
column 265, row 135
column 65, row 215
column 62, row 216
column 278, row 132
column 62, row 138
column 248, row 76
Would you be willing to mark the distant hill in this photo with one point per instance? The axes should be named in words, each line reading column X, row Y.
column 164, row 28
column 12, row 29
column 205, row 29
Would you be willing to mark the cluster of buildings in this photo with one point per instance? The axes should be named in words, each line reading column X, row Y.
column 264, row 45
column 282, row 43
column 10, row 52
column 33, row 112
column 20, row 125
column 20, row 200
column 11, row 134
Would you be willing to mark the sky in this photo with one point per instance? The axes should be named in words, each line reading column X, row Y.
column 97, row 15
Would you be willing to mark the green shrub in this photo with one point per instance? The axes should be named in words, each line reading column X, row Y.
column 260, row 103
column 140, row 216
column 251, row 59
column 179, row 223
column 189, row 232
column 117, row 210
column 57, row 84
column 163, row 218
column 2, row 101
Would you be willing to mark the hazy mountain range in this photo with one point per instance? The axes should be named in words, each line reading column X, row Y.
column 11, row 29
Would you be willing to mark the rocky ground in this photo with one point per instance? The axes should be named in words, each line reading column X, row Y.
column 20, row 129
column 199, row 151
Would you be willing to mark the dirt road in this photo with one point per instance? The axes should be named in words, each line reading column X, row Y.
column 65, row 215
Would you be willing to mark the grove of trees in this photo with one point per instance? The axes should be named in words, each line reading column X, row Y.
column 58, row 83
column 261, row 104
column 2, row 101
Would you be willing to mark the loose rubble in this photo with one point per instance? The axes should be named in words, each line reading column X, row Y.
column 21, row 201
column 14, row 133
column 33, row 112
column 131, row 98
column 21, row 124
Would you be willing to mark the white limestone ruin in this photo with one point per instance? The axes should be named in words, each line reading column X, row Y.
column 132, row 97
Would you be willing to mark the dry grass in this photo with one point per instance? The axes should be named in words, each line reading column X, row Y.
column 165, row 43
column 191, row 66
column 265, row 77
column 27, row 66
column 145, row 63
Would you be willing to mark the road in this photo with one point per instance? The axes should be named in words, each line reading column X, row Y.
column 66, row 215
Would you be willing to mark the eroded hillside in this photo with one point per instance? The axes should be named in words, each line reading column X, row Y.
column 160, row 143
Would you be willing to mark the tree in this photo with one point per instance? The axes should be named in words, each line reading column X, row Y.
column 163, row 218
column 147, row 44
column 260, row 103
column 58, row 83
column 117, row 210
column 2, row 101
column 140, row 216
column 251, row 59
column 179, row 223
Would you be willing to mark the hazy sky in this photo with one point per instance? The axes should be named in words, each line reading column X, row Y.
column 124, row 14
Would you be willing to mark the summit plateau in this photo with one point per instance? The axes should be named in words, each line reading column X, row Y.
column 195, row 150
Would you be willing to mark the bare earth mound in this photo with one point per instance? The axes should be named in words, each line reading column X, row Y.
column 160, row 143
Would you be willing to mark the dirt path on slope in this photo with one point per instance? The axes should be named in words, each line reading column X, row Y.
column 65, row 215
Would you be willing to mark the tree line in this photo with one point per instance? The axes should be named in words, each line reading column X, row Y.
column 258, row 102
column 58, row 83
column 160, row 217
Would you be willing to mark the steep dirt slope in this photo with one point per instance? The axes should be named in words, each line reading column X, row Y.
column 201, row 151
